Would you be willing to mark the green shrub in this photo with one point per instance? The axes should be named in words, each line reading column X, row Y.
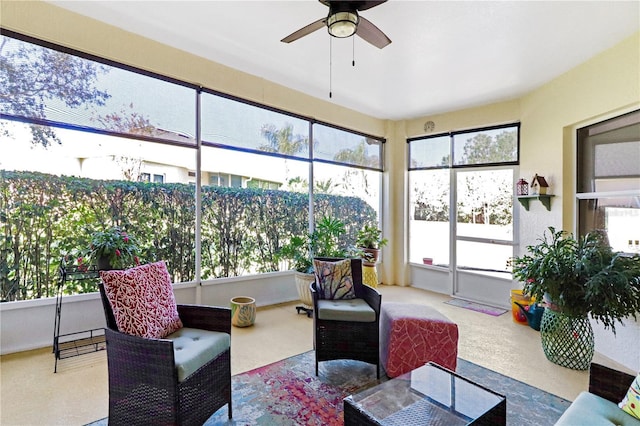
column 45, row 217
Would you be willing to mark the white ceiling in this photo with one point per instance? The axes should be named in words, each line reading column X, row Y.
column 444, row 55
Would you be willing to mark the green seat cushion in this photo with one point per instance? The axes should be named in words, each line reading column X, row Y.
column 589, row 409
column 193, row 348
column 354, row 310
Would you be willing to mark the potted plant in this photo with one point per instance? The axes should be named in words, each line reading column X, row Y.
column 369, row 241
column 113, row 249
column 577, row 278
column 324, row 241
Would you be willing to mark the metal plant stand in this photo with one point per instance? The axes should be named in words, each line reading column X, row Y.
column 81, row 342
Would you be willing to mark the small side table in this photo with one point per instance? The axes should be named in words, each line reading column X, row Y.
column 370, row 275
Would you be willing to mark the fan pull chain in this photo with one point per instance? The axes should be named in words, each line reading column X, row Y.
column 353, row 51
column 330, row 68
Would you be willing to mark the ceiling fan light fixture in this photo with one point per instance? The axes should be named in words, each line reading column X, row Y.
column 343, row 24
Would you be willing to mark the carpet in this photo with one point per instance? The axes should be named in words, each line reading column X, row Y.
column 287, row 392
column 478, row 307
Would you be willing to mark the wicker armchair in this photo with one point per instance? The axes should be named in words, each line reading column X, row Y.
column 599, row 406
column 143, row 378
column 337, row 339
column 608, row 383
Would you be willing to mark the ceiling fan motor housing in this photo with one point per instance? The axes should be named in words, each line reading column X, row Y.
column 342, row 20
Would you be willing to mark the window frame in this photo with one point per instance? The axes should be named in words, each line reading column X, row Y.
column 452, row 135
column 586, row 152
column 453, row 194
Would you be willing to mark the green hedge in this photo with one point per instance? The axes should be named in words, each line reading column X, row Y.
column 45, row 217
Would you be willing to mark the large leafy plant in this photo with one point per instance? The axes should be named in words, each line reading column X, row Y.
column 324, row 241
column 581, row 276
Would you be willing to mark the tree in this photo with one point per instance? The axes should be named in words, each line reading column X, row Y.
column 282, row 141
column 430, row 196
column 324, row 186
column 130, row 122
column 483, row 149
column 357, row 155
column 129, row 166
column 31, row 77
column 357, row 178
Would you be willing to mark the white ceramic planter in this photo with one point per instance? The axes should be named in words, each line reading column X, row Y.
column 303, row 281
column 243, row 311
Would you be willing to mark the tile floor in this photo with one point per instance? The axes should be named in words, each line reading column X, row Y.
column 31, row 394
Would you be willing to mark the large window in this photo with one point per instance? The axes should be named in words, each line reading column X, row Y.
column 429, row 217
column 53, row 197
column 41, row 85
column 466, row 177
column 89, row 143
column 484, row 229
column 608, row 179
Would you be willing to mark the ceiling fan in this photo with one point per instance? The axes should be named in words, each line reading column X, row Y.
column 343, row 21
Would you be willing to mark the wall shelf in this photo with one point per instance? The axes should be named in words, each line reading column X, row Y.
column 545, row 199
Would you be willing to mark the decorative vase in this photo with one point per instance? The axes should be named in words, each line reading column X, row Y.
column 371, row 256
column 567, row 341
column 303, row 281
column 243, row 311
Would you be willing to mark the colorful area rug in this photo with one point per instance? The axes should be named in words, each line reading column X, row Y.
column 478, row 307
column 288, row 393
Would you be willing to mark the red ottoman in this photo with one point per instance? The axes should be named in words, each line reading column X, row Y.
column 412, row 335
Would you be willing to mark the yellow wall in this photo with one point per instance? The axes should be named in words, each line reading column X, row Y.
column 603, row 87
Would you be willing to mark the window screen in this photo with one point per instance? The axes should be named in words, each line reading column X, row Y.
column 228, row 122
column 487, row 146
column 343, row 147
column 51, row 87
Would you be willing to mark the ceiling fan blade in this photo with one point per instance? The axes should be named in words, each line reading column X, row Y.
column 372, row 34
column 314, row 26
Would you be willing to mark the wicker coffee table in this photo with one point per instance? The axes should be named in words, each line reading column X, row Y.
column 428, row 395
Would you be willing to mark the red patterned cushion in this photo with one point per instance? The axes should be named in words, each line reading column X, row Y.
column 142, row 300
